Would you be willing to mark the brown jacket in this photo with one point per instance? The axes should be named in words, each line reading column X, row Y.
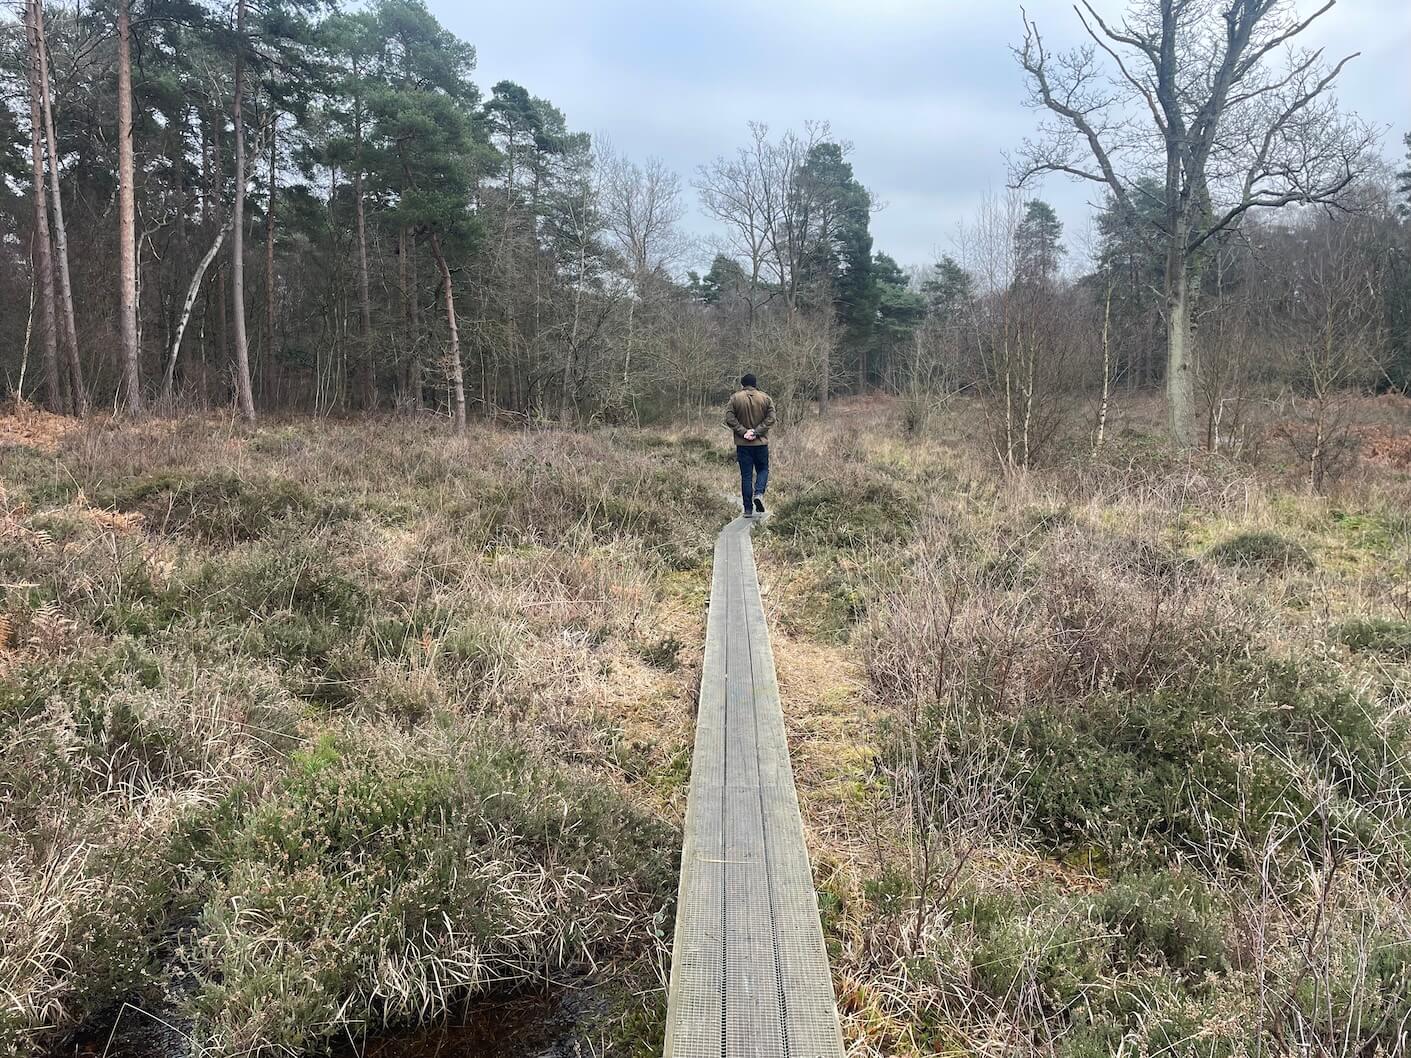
column 750, row 409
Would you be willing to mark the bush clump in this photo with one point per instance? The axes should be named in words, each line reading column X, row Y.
column 221, row 507
column 845, row 516
column 1262, row 550
column 1202, row 768
column 1377, row 635
column 390, row 875
column 1049, row 946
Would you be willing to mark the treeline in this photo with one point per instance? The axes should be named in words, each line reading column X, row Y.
column 1295, row 314
column 275, row 205
column 323, row 211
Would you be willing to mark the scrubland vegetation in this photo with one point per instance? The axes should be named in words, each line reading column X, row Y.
column 315, row 730
column 324, row 726
column 320, row 728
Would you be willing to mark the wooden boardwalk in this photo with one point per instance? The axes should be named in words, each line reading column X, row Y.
column 749, row 971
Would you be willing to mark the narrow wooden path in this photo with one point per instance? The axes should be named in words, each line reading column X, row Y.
column 749, row 970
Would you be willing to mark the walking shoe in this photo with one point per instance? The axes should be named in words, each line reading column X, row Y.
column 748, row 513
column 759, row 504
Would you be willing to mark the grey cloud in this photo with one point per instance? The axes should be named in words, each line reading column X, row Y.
column 928, row 92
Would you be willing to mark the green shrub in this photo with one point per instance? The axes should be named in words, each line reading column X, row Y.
column 389, row 878
column 845, row 516
column 1377, row 635
column 479, row 653
column 663, row 653
column 1262, row 550
column 220, row 507
column 1363, row 979
column 1165, row 919
column 663, row 511
column 1204, row 765
column 289, row 606
column 1129, row 960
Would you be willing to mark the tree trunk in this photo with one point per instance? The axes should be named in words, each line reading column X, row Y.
column 1106, row 369
column 454, row 353
column 222, row 338
column 56, row 389
column 127, row 218
column 367, row 374
column 244, row 395
column 78, row 395
column 1180, row 376
column 825, row 380
column 168, row 384
column 411, row 313
column 267, row 345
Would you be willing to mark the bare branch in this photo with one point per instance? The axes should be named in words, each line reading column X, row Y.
column 1033, row 59
column 1135, row 42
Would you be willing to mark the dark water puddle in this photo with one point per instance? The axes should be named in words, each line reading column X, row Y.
column 538, row 1025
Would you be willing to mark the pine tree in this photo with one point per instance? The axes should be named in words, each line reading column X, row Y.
column 1038, row 244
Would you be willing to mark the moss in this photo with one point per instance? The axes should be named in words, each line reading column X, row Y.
column 1173, row 921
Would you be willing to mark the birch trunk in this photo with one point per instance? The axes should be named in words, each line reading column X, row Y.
column 127, row 218
column 454, row 352
column 1106, row 369
column 191, row 294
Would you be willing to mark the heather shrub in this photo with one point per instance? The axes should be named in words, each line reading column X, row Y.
column 387, row 876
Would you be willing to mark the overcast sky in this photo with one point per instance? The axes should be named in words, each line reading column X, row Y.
column 926, row 90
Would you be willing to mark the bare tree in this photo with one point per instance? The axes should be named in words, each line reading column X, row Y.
column 641, row 208
column 1328, row 318
column 367, row 369
column 77, row 394
column 733, row 192
column 127, row 216
column 56, row 390
column 1024, row 332
column 267, row 379
column 1187, row 88
column 453, row 350
column 244, row 394
column 777, row 223
column 411, row 315
column 1232, row 338
column 800, row 218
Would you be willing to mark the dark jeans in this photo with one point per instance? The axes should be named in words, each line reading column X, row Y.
column 754, row 472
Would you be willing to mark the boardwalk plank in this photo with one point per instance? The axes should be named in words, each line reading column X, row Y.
column 749, row 972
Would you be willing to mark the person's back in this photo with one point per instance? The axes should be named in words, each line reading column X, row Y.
column 750, row 415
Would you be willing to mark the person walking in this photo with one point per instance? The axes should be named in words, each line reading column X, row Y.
column 749, row 415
